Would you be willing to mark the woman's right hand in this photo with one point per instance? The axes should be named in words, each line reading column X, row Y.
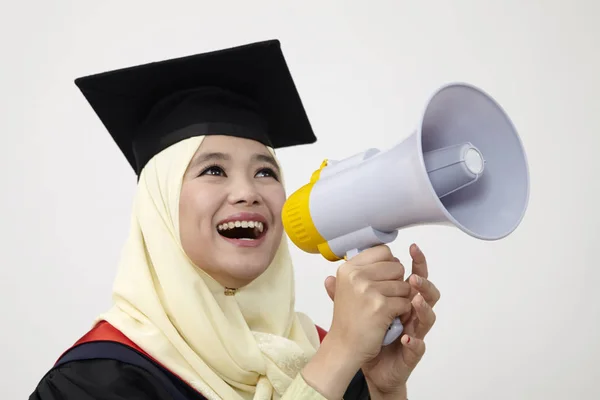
column 370, row 292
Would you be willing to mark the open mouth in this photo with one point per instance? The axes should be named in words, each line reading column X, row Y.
column 242, row 230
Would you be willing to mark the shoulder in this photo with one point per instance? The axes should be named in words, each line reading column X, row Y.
column 104, row 364
column 98, row 379
column 110, row 371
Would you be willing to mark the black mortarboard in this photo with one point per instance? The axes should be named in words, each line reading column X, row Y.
column 245, row 91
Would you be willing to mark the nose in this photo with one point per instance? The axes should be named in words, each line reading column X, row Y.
column 244, row 192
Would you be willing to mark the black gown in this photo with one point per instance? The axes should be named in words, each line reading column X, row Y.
column 105, row 370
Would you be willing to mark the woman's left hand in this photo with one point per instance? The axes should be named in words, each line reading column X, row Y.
column 388, row 373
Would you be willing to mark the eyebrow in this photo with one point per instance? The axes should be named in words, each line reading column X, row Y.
column 205, row 157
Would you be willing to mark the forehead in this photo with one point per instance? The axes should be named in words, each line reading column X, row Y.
column 232, row 145
column 228, row 148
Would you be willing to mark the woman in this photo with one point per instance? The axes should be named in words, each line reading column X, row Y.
column 204, row 295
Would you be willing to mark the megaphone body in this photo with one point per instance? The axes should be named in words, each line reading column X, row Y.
column 464, row 166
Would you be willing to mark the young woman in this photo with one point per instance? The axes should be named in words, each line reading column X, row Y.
column 204, row 295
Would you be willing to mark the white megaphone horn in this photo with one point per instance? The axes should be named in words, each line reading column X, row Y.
column 465, row 166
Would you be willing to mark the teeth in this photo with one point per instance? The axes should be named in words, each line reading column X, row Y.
column 241, row 224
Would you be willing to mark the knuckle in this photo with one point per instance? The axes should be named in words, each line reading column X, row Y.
column 354, row 276
column 394, row 269
column 378, row 304
column 381, row 253
column 346, row 270
column 403, row 306
column 390, row 267
column 400, row 289
column 361, row 286
column 374, row 255
column 386, row 251
column 405, row 288
column 402, row 269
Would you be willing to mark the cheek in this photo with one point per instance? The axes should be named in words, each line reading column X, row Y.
column 195, row 211
column 276, row 199
column 186, row 217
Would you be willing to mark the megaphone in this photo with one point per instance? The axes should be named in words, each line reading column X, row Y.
column 464, row 166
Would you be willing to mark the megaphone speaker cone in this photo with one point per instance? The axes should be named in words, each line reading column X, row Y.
column 493, row 205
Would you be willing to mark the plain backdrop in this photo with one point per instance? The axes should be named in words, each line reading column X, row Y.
column 518, row 318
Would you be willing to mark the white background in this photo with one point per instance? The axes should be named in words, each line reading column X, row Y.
column 518, row 319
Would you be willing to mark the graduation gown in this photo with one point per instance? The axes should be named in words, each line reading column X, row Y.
column 105, row 365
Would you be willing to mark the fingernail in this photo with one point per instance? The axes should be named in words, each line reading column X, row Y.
column 407, row 340
column 419, row 280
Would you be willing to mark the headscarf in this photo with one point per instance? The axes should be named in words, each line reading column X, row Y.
column 247, row 346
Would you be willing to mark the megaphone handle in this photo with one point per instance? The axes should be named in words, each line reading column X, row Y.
column 396, row 328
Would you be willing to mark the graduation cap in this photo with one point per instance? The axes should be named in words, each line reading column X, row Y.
column 245, row 91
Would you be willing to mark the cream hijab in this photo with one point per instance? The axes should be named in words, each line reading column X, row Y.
column 247, row 346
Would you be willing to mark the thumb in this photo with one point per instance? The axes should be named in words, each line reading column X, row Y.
column 330, row 286
column 413, row 350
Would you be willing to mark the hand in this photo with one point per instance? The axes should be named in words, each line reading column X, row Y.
column 388, row 372
column 369, row 293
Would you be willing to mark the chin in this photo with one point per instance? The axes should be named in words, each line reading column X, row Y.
column 244, row 268
column 248, row 271
column 238, row 256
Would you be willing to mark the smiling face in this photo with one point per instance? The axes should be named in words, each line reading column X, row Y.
column 230, row 209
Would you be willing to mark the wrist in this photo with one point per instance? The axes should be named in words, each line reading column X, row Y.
column 398, row 393
column 331, row 369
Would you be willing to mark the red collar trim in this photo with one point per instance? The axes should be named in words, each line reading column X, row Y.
column 103, row 331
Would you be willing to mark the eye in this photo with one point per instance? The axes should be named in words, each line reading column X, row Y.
column 214, row 170
column 267, row 172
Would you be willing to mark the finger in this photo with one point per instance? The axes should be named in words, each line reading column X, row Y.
column 427, row 289
column 425, row 315
column 419, row 262
column 398, row 306
column 330, row 286
column 395, row 288
column 396, row 259
column 408, row 320
column 413, row 350
column 373, row 255
column 384, row 271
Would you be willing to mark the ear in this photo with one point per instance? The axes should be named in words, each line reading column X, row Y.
column 330, row 286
